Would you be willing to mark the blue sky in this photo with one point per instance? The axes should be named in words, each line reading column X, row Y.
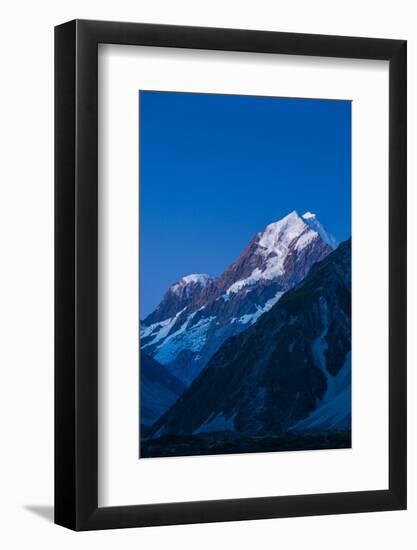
column 216, row 169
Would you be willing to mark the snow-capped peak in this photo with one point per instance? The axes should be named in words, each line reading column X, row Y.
column 282, row 232
column 289, row 235
column 312, row 221
column 200, row 279
column 196, row 278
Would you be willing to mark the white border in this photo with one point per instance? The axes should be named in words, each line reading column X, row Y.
column 123, row 479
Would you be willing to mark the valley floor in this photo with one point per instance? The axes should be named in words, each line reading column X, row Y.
column 231, row 443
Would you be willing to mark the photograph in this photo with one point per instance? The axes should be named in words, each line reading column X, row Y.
column 244, row 274
column 209, row 275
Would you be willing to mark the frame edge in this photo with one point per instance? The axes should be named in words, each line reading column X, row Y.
column 398, row 274
column 76, row 233
column 65, row 258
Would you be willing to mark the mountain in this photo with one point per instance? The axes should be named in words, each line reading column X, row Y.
column 199, row 312
column 289, row 372
column 159, row 389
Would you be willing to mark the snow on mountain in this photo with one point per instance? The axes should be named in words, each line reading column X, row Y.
column 159, row 330
column 311, row 220
column 274, row 244
column 191, row 338
column 200, row 279
column 277, row 236
column 253, row 317
column 334, row 409
column 198, row 313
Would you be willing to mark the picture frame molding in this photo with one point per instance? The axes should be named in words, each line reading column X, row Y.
column 76, row 274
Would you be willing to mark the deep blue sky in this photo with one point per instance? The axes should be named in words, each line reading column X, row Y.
column 216, row 169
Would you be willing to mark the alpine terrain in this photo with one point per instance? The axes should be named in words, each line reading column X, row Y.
column 282, row 383
column 199, row 313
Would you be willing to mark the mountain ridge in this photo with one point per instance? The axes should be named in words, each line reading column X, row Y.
column 198, row 312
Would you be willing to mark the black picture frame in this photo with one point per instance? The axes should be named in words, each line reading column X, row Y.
column 76, row 272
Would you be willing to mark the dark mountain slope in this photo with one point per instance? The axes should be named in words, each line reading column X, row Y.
column 159, row 389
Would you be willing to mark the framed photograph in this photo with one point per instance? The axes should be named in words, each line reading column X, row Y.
column 230, row 253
